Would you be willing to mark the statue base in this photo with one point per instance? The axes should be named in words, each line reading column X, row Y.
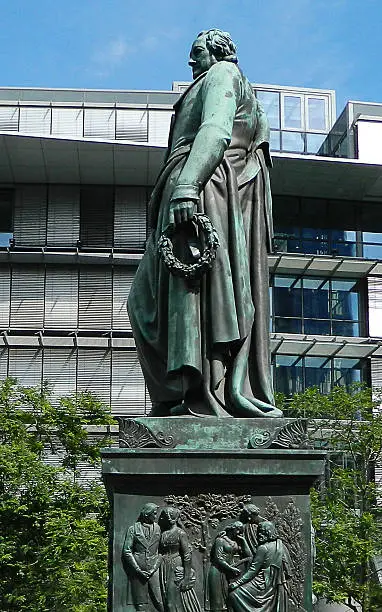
column 215, row 473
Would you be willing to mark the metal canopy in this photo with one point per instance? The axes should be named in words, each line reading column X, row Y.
column 48, row 159
column 325, row 346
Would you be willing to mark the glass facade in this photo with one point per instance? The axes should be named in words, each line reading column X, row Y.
column 293, row 373
column 299, row 122
column 316, row 306
column 327, row 227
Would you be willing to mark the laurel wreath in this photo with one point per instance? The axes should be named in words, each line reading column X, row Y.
column 206, row 259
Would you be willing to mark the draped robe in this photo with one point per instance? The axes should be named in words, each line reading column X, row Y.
column 212, row 335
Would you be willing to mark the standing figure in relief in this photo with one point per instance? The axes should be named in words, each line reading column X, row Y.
column 176, row 575
column 228, row 544
column 141, row 560
column 263, row 587
column 250, row 516
column 204, row 347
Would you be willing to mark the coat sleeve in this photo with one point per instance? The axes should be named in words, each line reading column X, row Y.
column 221, row 92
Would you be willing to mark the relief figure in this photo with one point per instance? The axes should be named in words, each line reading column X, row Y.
column 229, row 543
column 141, row 560
column 264, row 586
column 176, row 575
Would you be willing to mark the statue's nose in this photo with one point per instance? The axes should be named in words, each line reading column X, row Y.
column 191, row 62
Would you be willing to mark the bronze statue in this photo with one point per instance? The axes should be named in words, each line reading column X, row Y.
column 250, row 516
column 141, row 560
column 264, row 586
column 203, row 342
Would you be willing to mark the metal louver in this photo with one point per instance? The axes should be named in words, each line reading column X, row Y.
column 130, row 217
column 61, row 298
column 99, row 123
column 128, row 386
column 159, row 126
column 95, row 298
column 93, row 372
column 9, row 118
column 63, row 228
column 30, row 215
column 59, row 370
column 67, row 122
column 27, row 297
column 131, row 124
column 35, row 119
column 5, row 294
column 122, row 279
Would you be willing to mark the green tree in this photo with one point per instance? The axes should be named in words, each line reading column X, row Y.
column 53, row 528
column 348, row 423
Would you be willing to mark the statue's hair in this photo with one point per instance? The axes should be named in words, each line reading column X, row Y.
column 234, row 525
column 269, row 529
column 220, row 44
column 173, row 512
column 147, row 509
column 251, row 509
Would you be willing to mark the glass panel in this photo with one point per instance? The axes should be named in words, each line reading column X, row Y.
column 345, row 300
column 317, row 373
column 372, row 251
column 315, row 327
column 346, row 371
column 288, row 374
column 314, row 142
column 35, row 120
column 315, row 233
column 274, row 141
column 348, row 249
column 293, row 142
column 270, row 101
column 292, row 112
column 288, row 326
column 316, row 299
column 372, row 237
column 345, row 328
column 286, row 239
column 287, row 297
column 316, row 114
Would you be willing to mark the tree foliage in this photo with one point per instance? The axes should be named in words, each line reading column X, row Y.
column 53, row 528
column 348, row 423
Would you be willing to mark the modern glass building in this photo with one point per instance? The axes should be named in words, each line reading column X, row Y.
column 76, row 171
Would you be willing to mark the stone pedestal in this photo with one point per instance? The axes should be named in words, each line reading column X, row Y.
column 209, row 469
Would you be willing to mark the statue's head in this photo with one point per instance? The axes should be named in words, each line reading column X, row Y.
column 210, row 47
column 250, row 513
column 148, row 513
column 266, row 532
column 169, row 516
column 234, row 529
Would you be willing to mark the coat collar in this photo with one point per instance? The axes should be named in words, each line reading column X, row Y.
column 181, row 98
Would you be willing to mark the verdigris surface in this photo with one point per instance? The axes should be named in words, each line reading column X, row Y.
column 207, row 517
column 203, row 341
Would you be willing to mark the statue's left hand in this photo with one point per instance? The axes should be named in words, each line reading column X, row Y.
column 181, row 211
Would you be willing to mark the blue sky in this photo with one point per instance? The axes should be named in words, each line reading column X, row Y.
column 144, row 44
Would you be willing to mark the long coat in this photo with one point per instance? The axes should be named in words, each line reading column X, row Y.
column 140, row 551
column 215, row 334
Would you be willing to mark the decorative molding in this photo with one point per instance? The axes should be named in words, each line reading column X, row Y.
column 133, row 434
column 291, row 435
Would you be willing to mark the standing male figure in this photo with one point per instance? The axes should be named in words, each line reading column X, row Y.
column 141, row 560
column 205, row 349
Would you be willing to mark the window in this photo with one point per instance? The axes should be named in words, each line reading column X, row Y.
column 270, row 101
column 316, row 306
column 292, row 112
column 293, row 373
column 6, row 216
column 316, row 113
column 96, row 216
column 67, row 122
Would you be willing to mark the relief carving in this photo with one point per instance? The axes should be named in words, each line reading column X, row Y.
column 133, row 434
column 291, row 435
column 216, row 552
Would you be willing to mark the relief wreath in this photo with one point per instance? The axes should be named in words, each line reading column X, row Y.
column 204, row 262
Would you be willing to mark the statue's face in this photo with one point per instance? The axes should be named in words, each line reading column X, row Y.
column 201, row 59
column 150, row 518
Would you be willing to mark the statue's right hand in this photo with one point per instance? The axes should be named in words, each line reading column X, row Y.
column 144, row 575
column 181, row 211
